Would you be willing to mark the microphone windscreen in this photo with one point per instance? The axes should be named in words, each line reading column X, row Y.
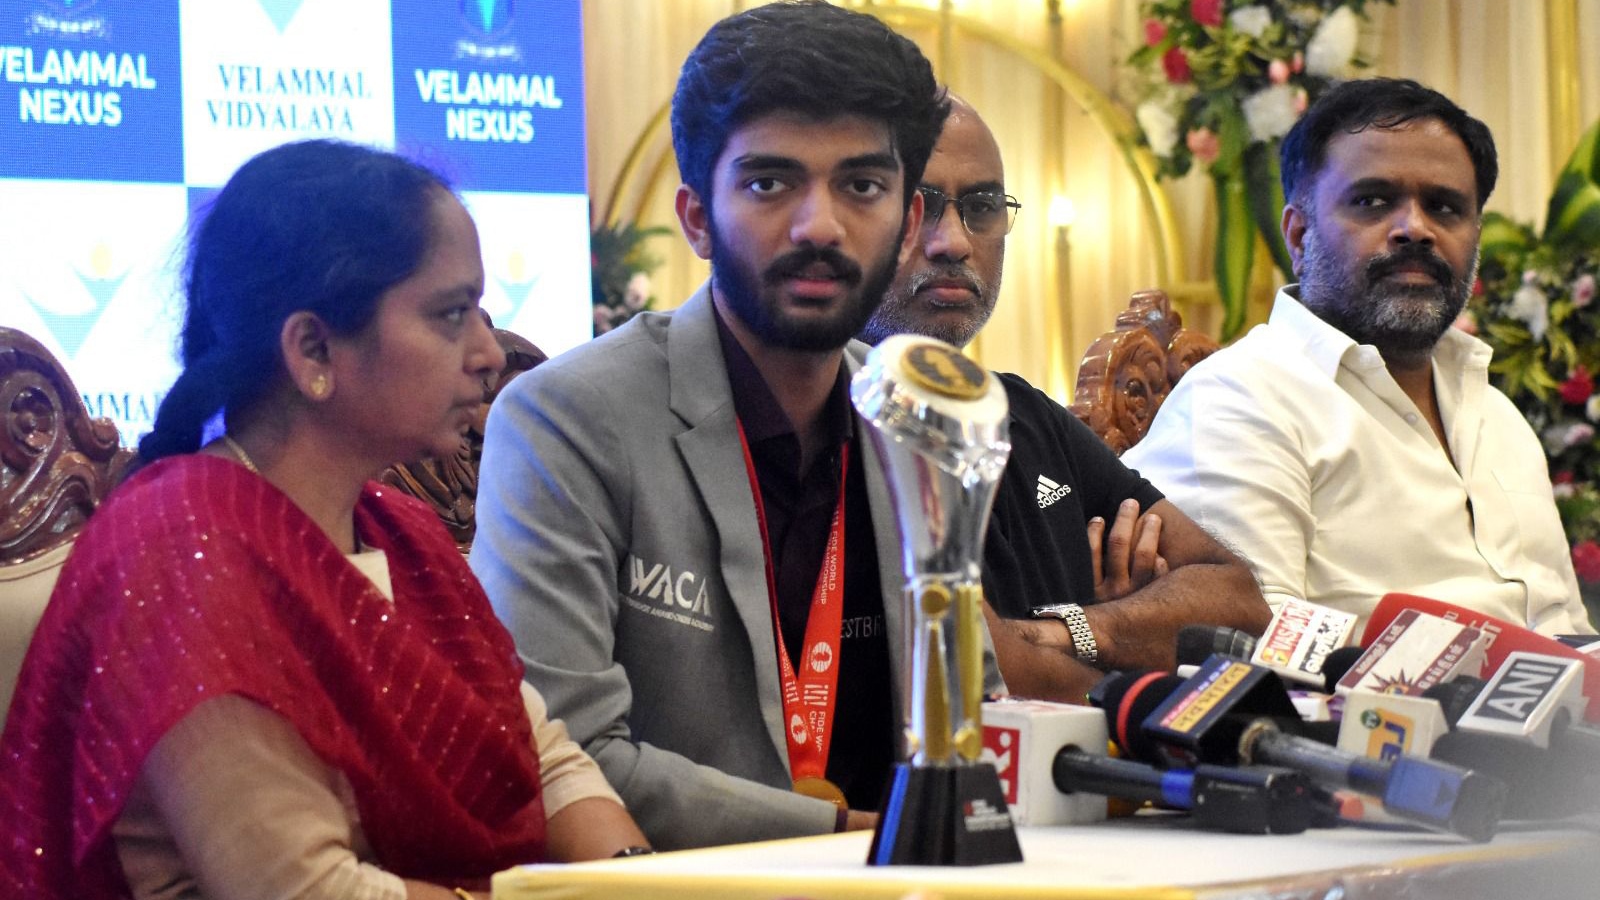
column 1337, row 664
column 1196, row 643
column 1128, row 698
column 1455, row 696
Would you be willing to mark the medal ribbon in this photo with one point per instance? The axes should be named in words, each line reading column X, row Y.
column 809, row 693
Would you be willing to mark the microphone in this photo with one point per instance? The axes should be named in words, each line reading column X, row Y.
column 1248, row 800
column 1384, row 726
column 1296, row 643
column 1533, row 697
column 1231, row 712
column 1415, row 652
column 1299, row 638
column 1522, row 725
column 1021, row 738
column 1197, row 643
column 1504, row 638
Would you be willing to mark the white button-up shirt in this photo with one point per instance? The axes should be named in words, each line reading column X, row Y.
column 1297, row 448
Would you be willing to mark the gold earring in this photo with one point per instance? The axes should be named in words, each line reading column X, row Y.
column 319, row 386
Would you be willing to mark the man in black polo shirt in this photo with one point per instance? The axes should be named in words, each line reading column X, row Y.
column 1104, row 596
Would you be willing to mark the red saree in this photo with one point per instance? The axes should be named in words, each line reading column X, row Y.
column 198, row 579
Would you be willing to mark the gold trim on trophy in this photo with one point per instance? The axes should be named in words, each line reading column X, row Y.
column 969, row 662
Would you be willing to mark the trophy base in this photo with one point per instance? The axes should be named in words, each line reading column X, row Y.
column 944, row 816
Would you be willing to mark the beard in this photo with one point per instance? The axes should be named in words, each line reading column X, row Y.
column 900, row 314
column 754, row 296
column 1398, row 319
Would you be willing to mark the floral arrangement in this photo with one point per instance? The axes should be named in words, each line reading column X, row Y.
column 620, row 267
column 1223, row 81
column 1536, row 304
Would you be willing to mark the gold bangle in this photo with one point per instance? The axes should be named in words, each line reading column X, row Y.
column 462, row 893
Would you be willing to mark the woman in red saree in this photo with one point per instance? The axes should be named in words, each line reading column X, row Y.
column 261, row 674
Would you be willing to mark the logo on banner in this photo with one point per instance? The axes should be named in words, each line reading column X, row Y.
column 280, row 11
column 489, row 24
column 517, row 284
column 67, row 19
column 71, row 328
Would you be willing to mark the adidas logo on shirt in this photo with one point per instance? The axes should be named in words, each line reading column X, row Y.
column 1049, row 492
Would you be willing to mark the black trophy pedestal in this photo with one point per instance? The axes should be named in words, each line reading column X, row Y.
column 944, row 816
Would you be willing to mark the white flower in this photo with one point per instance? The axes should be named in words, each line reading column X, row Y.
column 1270, row 112
column 637, row 293
column 1566, row 435
column 1592, row 408
column 1334, row 44
column 1251, row 20
column 1530, row 305
column 1564, row 490
column 1160, row 126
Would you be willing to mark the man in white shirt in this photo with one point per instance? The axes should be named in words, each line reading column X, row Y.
column 1353, row 446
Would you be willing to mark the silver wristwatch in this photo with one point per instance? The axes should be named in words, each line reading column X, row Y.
column 1083, row 643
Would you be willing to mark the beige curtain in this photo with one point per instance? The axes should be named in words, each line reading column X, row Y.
column 1526, row 67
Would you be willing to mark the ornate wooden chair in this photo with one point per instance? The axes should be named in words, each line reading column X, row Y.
column 450, row 485
column 1128, row 371
column 56, row 464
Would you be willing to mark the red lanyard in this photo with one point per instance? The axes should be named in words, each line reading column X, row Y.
column 810, row 693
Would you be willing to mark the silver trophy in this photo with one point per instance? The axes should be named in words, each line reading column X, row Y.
column 939, row 429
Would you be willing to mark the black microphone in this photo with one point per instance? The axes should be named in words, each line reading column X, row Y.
column 1231, row 712
column 1247, row 800
column 1523, row 726
column 1196, row 643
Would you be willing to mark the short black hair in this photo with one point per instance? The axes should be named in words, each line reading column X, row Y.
column 812, row 58
column 1354, row 106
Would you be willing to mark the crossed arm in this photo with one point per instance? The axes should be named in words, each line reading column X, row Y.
column 1154, row 574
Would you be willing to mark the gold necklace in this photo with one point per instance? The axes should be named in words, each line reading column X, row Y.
column 236, row 450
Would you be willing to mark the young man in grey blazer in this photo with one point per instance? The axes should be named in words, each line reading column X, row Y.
column 650, row 504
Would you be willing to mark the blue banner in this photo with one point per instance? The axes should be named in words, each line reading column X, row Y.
column 90, row 89
column 496, row 87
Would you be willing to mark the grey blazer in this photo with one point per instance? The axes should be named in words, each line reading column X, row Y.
column 617, row 538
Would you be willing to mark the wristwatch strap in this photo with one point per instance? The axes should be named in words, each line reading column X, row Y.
column 1084, row 646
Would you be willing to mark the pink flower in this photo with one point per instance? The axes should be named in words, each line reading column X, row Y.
column 1586, row 559
column 1477, row 287
column 1155, row 31
column 1203, row 143
column 1301, row 101
column 1578, row 388
column 1278, row 71
column 1207, row 12
column 1564, row 476
column 1176, row 65
column 1298, row 63
column 1583, row 291
column 1466, row 322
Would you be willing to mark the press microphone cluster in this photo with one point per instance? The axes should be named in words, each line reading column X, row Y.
column 1232, row 713
column 1449, row 718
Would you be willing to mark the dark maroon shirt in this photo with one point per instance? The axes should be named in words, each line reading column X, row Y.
column 799, row 512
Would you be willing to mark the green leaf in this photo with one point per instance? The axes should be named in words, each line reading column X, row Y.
column 1266, row 200
column 1573, row 217
column 1501, row 237
column 1236, row 237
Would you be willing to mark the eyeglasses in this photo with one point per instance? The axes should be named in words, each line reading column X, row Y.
column 983, row 213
